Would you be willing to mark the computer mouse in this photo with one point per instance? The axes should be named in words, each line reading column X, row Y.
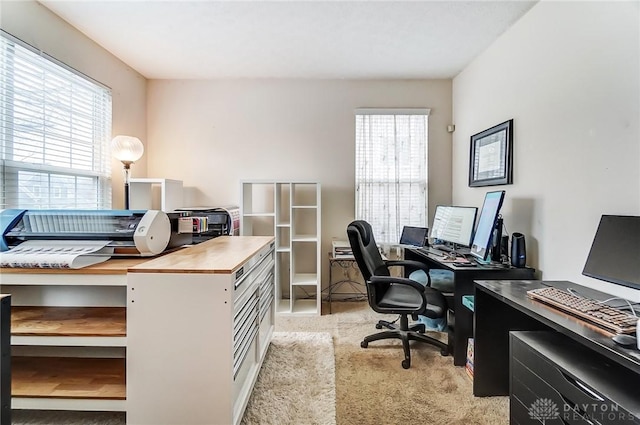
column 625, row 340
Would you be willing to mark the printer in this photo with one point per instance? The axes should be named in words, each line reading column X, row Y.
column 141, row 233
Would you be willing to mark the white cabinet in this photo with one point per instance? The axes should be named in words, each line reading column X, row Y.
column 289, row 211
column 199, row 322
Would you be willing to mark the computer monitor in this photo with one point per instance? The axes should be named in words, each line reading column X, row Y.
column 615, row 252
column 413, row 236
column 483, row 238
column 454, row 224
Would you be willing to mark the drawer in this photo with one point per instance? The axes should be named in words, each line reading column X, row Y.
column 586, row 387
column 240, row 381
column 249, row 271
column 245, row 328
column 266, row 295
column 541, row 400
column 252, row 271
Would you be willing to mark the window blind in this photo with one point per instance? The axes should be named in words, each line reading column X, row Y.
column 55, row 127
column 391, row 170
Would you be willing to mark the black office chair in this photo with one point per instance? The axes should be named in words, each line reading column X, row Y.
column 394, row 295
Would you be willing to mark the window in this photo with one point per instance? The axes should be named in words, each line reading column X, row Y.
column 391, row 170
column 55, row 126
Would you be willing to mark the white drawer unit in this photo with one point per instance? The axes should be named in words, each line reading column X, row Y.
column 198, row 328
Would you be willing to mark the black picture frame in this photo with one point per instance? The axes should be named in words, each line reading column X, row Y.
column 491, row 156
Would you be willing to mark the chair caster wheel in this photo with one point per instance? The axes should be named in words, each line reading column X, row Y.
column 406, row 364
column 364, row 344
column 378, row 326
column 444, row 353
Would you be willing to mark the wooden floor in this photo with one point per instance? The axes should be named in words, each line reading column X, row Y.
column 55, row 377
column 69, row 321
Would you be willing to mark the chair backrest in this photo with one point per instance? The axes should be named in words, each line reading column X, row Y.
column 368, row 257
column 365, row 250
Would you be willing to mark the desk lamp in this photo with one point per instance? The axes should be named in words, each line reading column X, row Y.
column 128, row 150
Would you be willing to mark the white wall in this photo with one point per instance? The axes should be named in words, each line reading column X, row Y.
column 568, row 74
column 213, row 134
column 37, row 26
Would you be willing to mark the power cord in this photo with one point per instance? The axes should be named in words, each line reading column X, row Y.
column 629, row 305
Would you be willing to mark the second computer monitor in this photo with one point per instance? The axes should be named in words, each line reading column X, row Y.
column 483, row 238
column 454, row 224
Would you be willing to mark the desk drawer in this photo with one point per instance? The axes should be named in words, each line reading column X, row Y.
column 585, row 387
column 541, row 400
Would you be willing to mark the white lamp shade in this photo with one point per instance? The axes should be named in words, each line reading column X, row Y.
column 127, row 148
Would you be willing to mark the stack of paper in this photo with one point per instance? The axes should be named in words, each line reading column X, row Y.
column 56, row 254
column 341, row 249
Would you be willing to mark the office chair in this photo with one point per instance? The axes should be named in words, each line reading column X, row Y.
column 394, row 295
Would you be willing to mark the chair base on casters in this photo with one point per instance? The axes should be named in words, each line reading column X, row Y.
column 406, row 334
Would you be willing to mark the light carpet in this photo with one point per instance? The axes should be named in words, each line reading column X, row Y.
column 295, row 386
column 372, row 388
column 297, row 383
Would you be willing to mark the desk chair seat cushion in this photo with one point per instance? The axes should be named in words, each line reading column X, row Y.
column 404, row 297
column 400, row 296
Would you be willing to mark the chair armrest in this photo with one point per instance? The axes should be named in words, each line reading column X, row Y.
column 397, row 280
column 410, row 263
column 413, row 264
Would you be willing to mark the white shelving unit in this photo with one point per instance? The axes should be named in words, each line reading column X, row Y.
column 155, row 194
column 289, row 211
column 75, row 318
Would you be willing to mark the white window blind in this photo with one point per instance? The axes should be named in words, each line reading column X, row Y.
column 55, row 127
column 391, row 170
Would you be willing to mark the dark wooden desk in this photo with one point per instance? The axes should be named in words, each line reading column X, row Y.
column 464, row 285
column 503, row 306
column 5, row 359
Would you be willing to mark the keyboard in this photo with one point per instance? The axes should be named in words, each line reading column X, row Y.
column 445, row 248
column 589, row 310
column 430, row 250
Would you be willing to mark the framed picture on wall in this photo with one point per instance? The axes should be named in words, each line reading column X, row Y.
column 491, row 158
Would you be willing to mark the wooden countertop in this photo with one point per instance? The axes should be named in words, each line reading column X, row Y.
column 221, row 255
column 110, row 267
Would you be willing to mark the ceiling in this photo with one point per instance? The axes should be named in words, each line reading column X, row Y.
column 183, row 39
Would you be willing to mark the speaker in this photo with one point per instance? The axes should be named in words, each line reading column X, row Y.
column 504, row 247
column 496, row 241
column 518, row 250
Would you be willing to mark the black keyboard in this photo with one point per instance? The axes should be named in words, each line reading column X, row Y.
column 444, row 248
column 598, row 313
column 448, row 249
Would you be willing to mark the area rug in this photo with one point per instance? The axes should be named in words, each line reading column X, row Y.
column 296, row 386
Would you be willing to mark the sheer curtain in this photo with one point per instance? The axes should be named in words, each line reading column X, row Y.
column 391, row 170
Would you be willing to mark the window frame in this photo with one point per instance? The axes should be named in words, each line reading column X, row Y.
column 99, row 116
column 391, row 232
